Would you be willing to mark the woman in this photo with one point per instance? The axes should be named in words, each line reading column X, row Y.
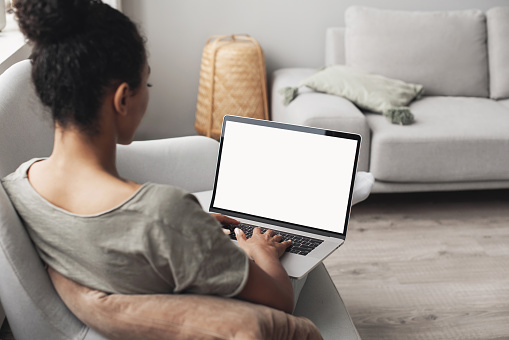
column 87, row 222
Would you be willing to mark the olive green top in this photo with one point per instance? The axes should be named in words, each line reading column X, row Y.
column 158, row 241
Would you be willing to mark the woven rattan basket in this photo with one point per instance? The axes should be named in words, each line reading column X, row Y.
column 232, row 82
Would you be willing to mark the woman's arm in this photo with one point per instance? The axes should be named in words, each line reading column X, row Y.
column 268, row 283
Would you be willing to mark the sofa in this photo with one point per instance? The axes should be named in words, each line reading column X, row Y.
column 460, row 137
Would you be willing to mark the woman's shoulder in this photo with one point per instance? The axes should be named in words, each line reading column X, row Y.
column 163, row 199
column 162, row 192
column 21, row 171
column 171, row 207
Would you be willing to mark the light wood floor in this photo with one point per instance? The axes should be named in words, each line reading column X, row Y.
column 427, row 266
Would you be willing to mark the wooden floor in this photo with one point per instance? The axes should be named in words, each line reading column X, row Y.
column 427, row 266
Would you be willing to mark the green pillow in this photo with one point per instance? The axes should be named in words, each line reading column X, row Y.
column 368, row 91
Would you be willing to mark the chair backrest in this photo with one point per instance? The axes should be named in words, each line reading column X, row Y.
column 26, row 130
column 187, row 162
column 31, row 304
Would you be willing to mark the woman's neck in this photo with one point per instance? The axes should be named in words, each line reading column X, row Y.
column 74, row 148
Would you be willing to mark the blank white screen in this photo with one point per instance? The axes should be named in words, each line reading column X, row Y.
column 285, row 175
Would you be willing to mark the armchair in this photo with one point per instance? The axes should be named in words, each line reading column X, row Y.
column 27, row 291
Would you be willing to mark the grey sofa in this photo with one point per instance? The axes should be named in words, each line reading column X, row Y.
column 460, row 139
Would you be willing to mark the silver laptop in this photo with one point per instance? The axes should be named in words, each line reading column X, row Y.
column 296, row 180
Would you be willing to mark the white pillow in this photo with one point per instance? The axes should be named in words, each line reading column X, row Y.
column 446, row 52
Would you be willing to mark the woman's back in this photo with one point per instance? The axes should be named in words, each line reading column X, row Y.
column 156, row 241
column 77, row 189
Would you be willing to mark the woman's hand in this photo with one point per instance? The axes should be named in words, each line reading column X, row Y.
column 225, row 220
column 268, row 242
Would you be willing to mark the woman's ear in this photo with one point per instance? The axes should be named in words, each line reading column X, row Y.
column 120, row 99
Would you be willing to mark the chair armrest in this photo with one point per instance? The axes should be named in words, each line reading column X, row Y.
column 186, row 162
column 320, row 302
column 362, row 186
column 320, row 110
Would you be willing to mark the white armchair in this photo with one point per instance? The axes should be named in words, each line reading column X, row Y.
column 31, row 304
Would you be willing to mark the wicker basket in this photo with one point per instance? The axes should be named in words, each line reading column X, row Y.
column 232, row 82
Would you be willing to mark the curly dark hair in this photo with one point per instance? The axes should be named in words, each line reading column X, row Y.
column 81, row 49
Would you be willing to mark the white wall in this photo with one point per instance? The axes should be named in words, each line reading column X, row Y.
column 291, row 32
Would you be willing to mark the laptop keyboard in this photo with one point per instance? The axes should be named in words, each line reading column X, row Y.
column 301, row 245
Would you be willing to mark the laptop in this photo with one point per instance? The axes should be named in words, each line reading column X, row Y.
column 295, row 180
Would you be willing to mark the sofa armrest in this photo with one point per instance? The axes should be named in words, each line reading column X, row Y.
column 186, row 162
column 320, row 110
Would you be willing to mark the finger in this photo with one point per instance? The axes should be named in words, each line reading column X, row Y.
column 270, row 232
column 226, row 231
column 257, row 230
column 283, row 246
column 286, row 244
column 278, row 237
column 241, row 237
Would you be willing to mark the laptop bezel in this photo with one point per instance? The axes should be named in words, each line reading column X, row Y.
column 292, row 127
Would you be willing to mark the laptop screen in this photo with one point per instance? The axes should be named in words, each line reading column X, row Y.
column 298, row 176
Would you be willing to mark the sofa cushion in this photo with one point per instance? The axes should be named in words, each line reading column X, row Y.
column 504, row 102
column 498, row 51
column 446, row 52
column 453, row 139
